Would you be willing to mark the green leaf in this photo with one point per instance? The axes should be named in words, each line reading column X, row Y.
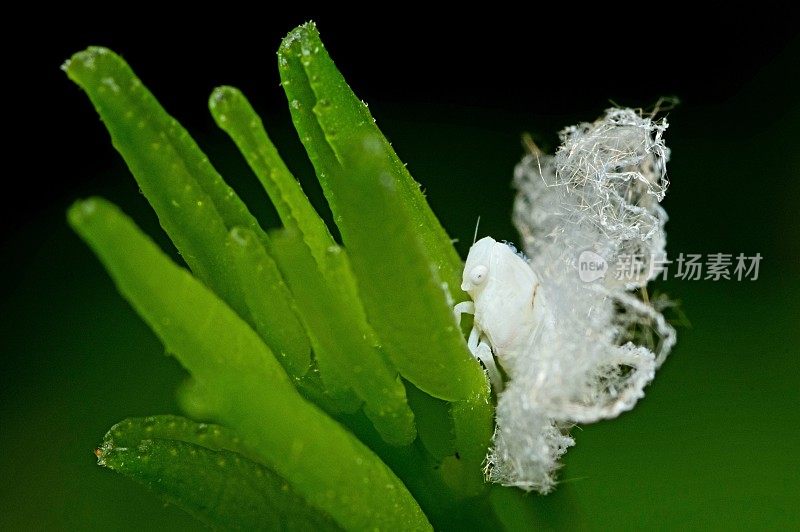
column 324, row 287
column 193, row 203
column 234, row 114
column 196, row 466
column 408, row 272
column 473, row 422
column 456, row 435
column 434, row 423
column 262, row 285
column 344, row 340
column 129, row 432
column 245, row 386
column 320, row 89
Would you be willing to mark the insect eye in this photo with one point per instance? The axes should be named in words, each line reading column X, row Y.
column 478, row 274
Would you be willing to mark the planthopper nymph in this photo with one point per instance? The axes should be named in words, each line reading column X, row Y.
column 560, row 347
column 508, row 304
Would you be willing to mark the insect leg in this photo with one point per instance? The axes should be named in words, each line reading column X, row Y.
column 474, row 339
column 483, row 352
column 465, row 307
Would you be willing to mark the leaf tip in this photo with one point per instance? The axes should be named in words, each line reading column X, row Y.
column 81, row 210
column 102, row 452
column 86, row 59
column 302, row 35
column 222, row 96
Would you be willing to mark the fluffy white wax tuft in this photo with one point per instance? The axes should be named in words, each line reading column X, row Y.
column 600, row 193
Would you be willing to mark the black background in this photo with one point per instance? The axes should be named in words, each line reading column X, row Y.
column 516, row 71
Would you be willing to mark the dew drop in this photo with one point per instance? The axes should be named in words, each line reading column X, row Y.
column 110, row 83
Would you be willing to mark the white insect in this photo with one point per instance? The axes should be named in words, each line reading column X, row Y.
column 571, row 346
column 508, row 306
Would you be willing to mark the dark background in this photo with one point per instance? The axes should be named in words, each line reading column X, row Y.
column 716, row 441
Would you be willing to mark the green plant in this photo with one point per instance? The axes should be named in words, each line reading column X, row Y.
column 343, row 394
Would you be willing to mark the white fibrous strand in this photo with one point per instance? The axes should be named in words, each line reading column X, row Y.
column 603, row 340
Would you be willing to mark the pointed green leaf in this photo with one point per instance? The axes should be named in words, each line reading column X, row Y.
column 262, row 285
column 193, row 203
column 406, row 266
column 129, row 432
column 192, row 466
column 245, row 386
column 324, row 286
column 313, row 84
column 137, row 121
column 339, row 336
column 234, row 114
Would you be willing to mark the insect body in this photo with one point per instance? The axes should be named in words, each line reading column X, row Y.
column 508, row 304
column 571, row 348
